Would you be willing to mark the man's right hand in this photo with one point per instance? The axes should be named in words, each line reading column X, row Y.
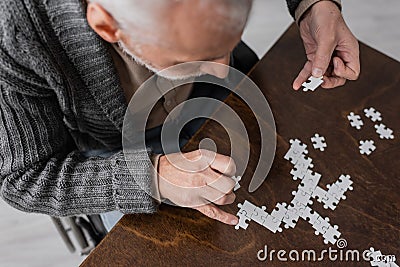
column 199, row 180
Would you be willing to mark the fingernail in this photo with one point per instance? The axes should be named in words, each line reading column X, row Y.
column 335, row 63
column 317, row 72
column 234, row 222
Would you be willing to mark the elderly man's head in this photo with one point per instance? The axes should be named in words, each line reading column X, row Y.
column 163, row 33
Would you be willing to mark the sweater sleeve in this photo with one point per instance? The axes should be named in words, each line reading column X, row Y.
column 42, row 172
column 40, row 169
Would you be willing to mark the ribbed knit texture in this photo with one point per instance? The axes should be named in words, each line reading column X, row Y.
column 59, row 95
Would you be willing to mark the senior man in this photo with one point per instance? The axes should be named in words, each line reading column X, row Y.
column 68, row 68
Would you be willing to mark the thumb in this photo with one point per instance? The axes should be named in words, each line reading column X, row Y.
column 322, row 58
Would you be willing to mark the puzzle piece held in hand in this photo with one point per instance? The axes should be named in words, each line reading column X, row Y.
column 312, row 84
column 367, row 147
column 355, row 120
column 319, row 142
column 373, row 114
column 237, row 180
column 384, row 132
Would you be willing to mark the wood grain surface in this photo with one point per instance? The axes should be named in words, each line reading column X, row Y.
column 369, row 217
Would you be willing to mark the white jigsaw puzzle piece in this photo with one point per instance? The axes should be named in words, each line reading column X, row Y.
column 384, row 132
column 291, row 217
column 296, row 150
column 355, row 120
column 237, row 180
column 319, row 142
column 312, row 84
column 301, row 197
column 331, row 235
column 373, row 114
column 300, row 168
column 310, row 182
column 321, row 225
column 309, row 215
column 367, row 147
column 243, row 219
column 259, row 215
column 272, row 224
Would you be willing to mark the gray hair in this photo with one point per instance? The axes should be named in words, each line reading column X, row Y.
column 142, row 15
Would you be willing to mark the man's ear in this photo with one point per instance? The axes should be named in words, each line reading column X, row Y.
column 102, row 23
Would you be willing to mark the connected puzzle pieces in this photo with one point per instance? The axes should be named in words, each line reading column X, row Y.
column 299, row 207
column 378, row 259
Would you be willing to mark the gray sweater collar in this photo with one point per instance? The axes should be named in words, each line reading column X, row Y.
column 89, row 55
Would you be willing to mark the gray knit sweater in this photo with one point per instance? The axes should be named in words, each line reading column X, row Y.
column 60, row 95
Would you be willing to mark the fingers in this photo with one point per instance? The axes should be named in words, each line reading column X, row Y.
column 303, row 76
column 332, row 82
column 215, row 196
column 224, row 164
column 341, row 70
column 215, row 213
column 220, row 182
column 323, row 55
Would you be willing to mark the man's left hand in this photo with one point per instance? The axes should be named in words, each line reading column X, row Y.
column 332, row 50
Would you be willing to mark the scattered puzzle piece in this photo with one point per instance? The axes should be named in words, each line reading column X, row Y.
column 367, row 147
column 384, row 132
column 355, row 120
column 312, row 84
column 319, row 142
column 373, row 114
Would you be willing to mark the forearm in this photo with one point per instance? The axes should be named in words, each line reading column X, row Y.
column 41, row 171
column 78, row 185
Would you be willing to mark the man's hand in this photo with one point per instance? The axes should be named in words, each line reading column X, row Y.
column 199, row 180
column 332, row 50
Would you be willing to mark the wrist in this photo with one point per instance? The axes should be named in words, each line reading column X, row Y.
column 305, row 7
column 155, row 186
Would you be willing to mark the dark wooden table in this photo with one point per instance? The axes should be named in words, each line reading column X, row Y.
column 369, row 217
